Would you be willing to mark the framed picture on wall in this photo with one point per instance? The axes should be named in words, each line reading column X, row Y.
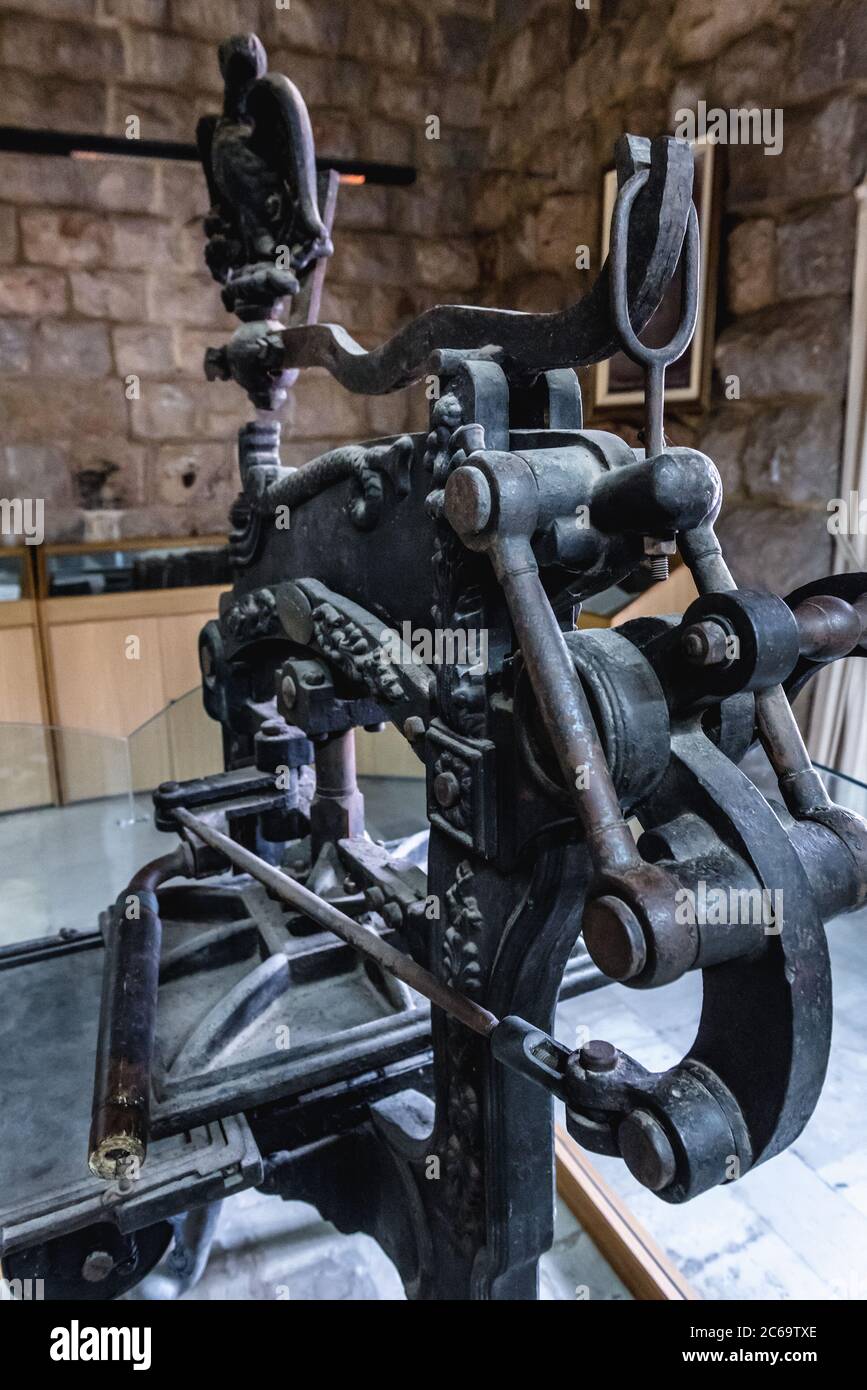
column 619, row 381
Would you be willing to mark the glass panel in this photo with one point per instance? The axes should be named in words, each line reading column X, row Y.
column 43, row 765
column 11, row 577
column 123, row 571
column 92, row 767
column 847, row 791
column 180, row 742
column 66, row 863
column 26, row 767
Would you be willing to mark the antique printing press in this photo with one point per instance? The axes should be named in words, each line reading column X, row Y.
column 266, row 1023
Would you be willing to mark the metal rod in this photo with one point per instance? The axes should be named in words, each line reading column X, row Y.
column 360, row 938
column 801, row 786
column 120, row 1118
column 564, row 709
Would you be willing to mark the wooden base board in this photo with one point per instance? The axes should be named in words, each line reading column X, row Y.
column 632, row 1253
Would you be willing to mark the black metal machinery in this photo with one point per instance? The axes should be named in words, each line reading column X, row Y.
column 584, row 792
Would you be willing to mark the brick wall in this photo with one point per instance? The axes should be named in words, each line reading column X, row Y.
column 564, row 82
column 101, row 270
column 99, row 260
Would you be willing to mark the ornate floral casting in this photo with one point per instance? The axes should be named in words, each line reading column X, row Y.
column 253, row 615
column 343, row 642
column 462, row 1156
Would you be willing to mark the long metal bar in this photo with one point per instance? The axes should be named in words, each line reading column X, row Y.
column 564, row 708
column 59, row 142
column 120, row 1117
column 360, row 938
column 800, row 784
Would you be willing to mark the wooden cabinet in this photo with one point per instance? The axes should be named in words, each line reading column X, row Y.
column 26, row 765
column 116, row 662
column 386, row 755
column 101, row 691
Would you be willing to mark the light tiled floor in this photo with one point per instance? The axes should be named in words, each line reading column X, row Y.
column 795, row 1228
column 266, row 1249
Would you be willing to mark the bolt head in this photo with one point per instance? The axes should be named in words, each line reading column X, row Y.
column 646, row 1150
column 446, row 790
column 294, row 612
column 704, row 644
column 614, row 938
column 655, row 545
column 598, row 1056
column 413, row 727
column 288, row 692
column 468, row 503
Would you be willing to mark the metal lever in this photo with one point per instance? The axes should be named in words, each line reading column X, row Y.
column 654, row 360
column 330, row 918
column 514, row 1042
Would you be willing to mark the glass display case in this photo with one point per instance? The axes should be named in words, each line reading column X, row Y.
column 14, row 575
column 132, row 566
column 66, row 863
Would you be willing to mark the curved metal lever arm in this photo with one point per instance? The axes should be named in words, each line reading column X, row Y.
column 528, row 343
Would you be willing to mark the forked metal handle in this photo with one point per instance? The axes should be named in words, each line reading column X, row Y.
column 619, row 265
column 653, row 359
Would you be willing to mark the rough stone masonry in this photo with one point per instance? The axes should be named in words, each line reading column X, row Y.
column 101, row 276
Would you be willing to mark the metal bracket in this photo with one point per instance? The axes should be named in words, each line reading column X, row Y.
column 462, row 788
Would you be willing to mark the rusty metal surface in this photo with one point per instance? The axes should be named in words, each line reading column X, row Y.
column 122, row 1084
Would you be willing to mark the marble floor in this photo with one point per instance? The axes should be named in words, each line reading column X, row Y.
column 793, row 1229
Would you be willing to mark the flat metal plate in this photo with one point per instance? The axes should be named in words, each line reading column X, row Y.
column 311, row 1020
column 49, row 1010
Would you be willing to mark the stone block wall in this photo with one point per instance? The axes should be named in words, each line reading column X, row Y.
column 564, row 81
column 101, row 267
column 100, row 260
